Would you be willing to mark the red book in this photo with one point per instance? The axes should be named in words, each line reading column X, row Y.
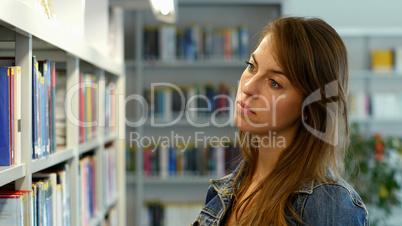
column 227, row 44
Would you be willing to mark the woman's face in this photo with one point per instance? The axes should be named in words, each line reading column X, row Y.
column 266, row 100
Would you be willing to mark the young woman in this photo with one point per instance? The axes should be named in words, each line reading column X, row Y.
column 291, row 111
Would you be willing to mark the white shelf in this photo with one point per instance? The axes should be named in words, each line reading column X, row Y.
column 97, row 220
column 144, row 5
column 51, row 160
column 207, row 64
column 112, row 204
column 177, row 180
column 371, row 75
column 229, row 2
column 88, row 146
column 370, row 32
column 372, row 120
column 110, row 137
column 11, row 173
column 219, row 122
column 40, row 27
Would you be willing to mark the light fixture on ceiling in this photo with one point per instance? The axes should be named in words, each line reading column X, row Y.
column 164, row 10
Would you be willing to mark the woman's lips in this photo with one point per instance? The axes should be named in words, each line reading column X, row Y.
column 244, row 109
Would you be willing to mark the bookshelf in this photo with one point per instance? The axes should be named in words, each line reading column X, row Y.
column 33, row 34
column 360, row 42
column 141, row 73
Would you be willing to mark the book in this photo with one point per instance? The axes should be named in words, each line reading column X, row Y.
column 243, row 42
column 82, row 109
column 87, row 189
column 17, row 113
column 12, row 209
column 398, row 59
column 5, row 148
column 11, row 105
column 27, row 203
column 382, row 60
column 50, row 179
column 35, row 112
column 110, row 175
column 167, row 43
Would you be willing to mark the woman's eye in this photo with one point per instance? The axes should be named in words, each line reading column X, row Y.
column 250, row 66
column 274, row 83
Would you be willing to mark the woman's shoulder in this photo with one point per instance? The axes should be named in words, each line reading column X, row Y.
column 331, row 203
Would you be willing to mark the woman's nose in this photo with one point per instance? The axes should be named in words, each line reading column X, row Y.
column 250, row 87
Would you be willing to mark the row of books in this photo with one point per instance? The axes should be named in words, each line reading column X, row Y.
column 167, row 43
column 49, row 201
column 10, row 114
column 110, row 174
column 43, row 104
column 185, row 161
column 88, row 105
column 387, row 60
column 87, row 188
column 51, row 197
column 170, row 214
column 375, row 105
column 166, row 103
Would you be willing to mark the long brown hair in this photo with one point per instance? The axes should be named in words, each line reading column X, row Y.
column 312, row 55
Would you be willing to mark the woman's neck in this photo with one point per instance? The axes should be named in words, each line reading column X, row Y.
column 269, row 150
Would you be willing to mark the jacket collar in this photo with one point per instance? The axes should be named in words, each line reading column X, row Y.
column 225, row 184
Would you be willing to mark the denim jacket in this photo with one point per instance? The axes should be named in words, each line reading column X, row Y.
column 317, row 203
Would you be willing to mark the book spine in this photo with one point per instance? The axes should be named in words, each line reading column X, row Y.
column 11, row 95
column 17, row 118
column 172, row 161
column 4, row 118
column 243, row 42
column 164, row 161
column 43, row 113
column 82, row 109
column 53, row 109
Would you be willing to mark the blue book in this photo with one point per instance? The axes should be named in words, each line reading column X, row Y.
column 53, row 109
column 34, row 133
column 5, row 157
column 43, row 114
column 46, row 73
column 45, row 98
column 172, row 161
column 243, row 42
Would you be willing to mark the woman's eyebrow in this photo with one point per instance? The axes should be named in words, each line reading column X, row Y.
column 273, row 71
column 269, row 71
column 253, row 57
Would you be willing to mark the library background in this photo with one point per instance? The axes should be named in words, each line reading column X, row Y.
column 79, row 146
